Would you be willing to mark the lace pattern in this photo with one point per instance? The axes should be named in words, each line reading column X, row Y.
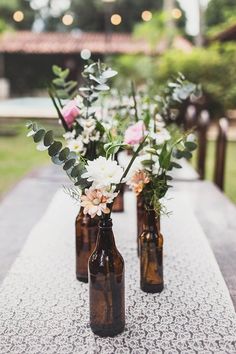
column 44, row 309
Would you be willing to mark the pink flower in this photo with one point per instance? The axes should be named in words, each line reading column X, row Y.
column 70, row 111
column 135, row 133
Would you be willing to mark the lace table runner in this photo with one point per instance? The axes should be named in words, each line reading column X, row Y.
column 44, row 309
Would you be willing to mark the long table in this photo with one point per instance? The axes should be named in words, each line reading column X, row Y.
column 44, row 309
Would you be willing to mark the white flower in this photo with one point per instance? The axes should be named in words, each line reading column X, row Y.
column 160, row 136
column 69, row 135
column 76, row 145
column 103, row 172
column 89, row 125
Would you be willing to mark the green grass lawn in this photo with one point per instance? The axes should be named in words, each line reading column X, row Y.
column 230, row 173
column 18, row 156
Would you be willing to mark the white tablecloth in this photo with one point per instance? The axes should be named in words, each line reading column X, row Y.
column 44, row 309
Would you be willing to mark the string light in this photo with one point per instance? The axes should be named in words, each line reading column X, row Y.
column 67, row 19
column 146, row 15
column 116, row 19
column 18, row 16
column 85, row 54
column 176, row 13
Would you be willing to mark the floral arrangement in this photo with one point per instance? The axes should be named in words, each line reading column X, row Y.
column 88, row 152
column 93, row 137
column 150, row 175
column 79, row 109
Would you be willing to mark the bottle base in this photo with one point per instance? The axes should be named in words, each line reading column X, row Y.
column 82, row 279
column 107, row 331
column 152, row 288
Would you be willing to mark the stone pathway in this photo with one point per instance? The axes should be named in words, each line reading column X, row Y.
column 22, row 207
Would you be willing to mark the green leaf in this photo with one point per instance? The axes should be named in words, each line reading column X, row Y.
column 48, row 138
column 102, row 88
column 178, row 154
column 190, row 145
column 56, row 160
column 187, row 154
column 71, row 85
column 76, row 171
column 38, row 136
column 58, row 82
column 56, row 70
column 109, row 73
column 148, row 163
column 30, row 133
column 62, row 94
column 54, row 148
column 70, row 163
column 72, row 155
column 64, row 74
column 64, row 154
column 29, row 125
column 175, row 165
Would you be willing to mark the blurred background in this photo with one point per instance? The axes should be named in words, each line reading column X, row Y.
column 147, row 41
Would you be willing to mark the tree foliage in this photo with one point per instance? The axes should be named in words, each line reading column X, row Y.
column 219, row 11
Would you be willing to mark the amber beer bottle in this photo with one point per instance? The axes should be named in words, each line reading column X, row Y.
column 85, row 240
column 140, row 216
column 106, row 284
column 151, row 254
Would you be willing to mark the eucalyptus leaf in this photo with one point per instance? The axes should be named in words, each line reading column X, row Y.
column 191, row 146
column 186, row 154
column 63, row 155
column 56, row 160
column 76, row 171
column 102, row 87
column 109, row 74
column 38, row 136
column 30, row 133
column 70, row 163
column 48, row 138
column 29, row 125
column 54, row 148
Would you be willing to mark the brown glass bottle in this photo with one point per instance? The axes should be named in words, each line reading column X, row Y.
column 85, row 241
column 118, row 205
column 151, row 254
column 106, row 284
column 140, row 216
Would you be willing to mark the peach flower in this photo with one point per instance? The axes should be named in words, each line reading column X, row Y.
column 95, row 201
column 138, row 181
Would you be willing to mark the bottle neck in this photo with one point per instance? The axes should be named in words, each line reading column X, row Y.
column 105, row 238
column 151, row 221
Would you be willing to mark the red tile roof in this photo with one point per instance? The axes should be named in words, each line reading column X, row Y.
column 68, row 43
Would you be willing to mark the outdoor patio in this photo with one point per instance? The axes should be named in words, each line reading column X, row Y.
column 117, row 177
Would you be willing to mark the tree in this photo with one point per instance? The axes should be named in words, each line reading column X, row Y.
column 218, row 11
column 92, row 16
column 7, row 9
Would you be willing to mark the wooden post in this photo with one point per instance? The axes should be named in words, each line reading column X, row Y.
column 220, row 156
column 203, row 124
column 190, row 117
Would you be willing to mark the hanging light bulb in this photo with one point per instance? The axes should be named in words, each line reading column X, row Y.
column 18, row 16
column 116, row 19
column 146, row 15
column 67, row 19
